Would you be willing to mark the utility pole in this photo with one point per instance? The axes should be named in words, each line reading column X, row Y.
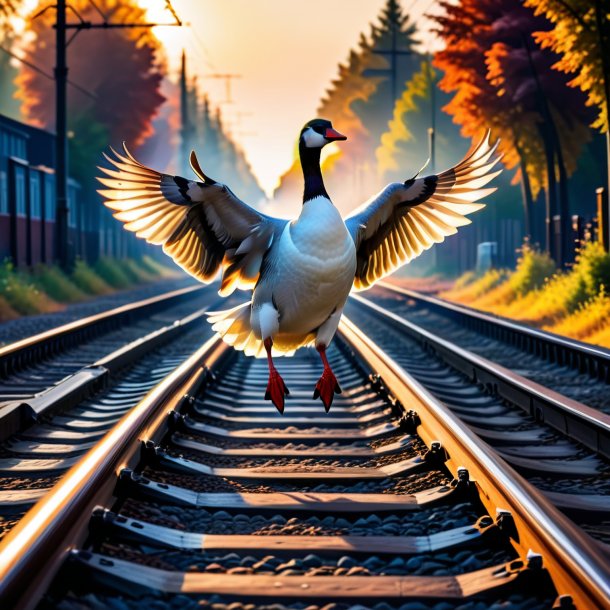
column 227, row 78
column 62, row 249
column 432, row 128
column 394, row 53
column 185, row 124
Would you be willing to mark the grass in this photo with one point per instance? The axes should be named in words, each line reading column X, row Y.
column 21, row 293
column 574, row 303
column 54, row 282
column 112, row 272
column 47, row 288
column 88, row 281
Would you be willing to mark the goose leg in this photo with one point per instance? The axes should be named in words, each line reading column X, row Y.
column 327, row 385
column 276, row 388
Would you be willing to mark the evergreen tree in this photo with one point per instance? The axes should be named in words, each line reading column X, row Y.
column 393, row 40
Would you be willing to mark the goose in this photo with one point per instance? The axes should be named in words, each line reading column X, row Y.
column 300, row 271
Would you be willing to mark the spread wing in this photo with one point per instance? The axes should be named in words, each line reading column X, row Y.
column 405, row 219
column 201, row 224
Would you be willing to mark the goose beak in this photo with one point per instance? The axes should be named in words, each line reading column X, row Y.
column 332, row 135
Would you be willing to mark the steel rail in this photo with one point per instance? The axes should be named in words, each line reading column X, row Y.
column 570, row 417
column 34, row 550
column 18, row 415
column 586, row 358
column 15, row 356
column 576, row 563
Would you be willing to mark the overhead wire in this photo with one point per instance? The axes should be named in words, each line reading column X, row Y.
column 41, row 71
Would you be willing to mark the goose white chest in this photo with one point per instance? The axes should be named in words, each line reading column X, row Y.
column 316, row 260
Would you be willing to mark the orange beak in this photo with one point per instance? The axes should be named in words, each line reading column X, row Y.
column 332, row 135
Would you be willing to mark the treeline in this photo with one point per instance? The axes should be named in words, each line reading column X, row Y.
column 120, row 91
column 506, row 65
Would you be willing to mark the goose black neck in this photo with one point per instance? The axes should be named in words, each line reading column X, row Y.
column 310, row 162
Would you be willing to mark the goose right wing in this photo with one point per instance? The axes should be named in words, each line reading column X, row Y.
column 407, row 218
column 201, row 224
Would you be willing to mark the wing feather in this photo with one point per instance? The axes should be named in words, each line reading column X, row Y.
column 407, row 218
column 196, row 222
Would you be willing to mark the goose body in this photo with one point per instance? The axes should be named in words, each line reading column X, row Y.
column 309, row 275
column 301, row 271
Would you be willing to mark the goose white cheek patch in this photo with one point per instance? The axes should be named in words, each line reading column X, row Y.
column 313, row 139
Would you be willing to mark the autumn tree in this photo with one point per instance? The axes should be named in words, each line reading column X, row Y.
column 501, row 80
column 9, row 105
column 119, row 71
column 581, row 37
column 403, row 146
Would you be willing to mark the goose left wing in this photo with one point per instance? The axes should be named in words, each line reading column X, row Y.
column 405, row 219
column 201, row 224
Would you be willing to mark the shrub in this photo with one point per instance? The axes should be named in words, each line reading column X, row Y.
column 57, row 284
column 20, row 292
column 477, row 288
column 112, row 273
column 159, row 269
column 138, row 273
column 86, row 279
column 6, row 312
column 591, row 318
column 464, row 280
column 533, row 269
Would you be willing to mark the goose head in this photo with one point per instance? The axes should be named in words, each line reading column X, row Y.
column 318, row 133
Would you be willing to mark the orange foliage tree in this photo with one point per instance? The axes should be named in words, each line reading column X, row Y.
column 503, row 81
column 120, row 69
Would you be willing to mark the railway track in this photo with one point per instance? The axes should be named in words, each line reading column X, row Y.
column 560, row 445
column 203, row 496
column 578, row 370
column 64, row 389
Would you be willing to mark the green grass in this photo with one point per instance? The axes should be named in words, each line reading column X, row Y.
column 18, row 289
column 46, row 287
column 52, row 280
column 87, row 280
column 113, row 273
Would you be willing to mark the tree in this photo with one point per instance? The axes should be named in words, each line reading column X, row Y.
column 502, row 81
column 407, row 123
column 125, row 85
column 581, row 36
column 9, row 105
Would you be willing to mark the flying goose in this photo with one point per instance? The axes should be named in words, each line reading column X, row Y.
column 301, row 271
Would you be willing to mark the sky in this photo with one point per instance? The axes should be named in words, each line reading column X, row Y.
column 286, row 53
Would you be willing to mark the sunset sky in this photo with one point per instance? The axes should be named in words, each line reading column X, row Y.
column 287, row 53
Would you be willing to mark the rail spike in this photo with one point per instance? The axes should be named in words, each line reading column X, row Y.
column 409, row 422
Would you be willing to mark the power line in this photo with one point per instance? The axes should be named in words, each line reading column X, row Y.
column 227, row 78
column 61, row 80
column 38, row 69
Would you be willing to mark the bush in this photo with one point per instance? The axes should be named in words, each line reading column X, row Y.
column 533, row 269
column 465, row 279
column 57, row 284
column 589, row 319
column 86, row 279
column 479, row 287
column 6, row 312
column 159, row 269
column 138, row 273
column 112, row 273
column 21, row 294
